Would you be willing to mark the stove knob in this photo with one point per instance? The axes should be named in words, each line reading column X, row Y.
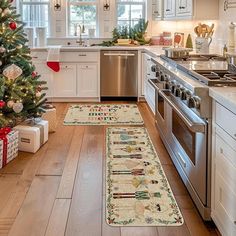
column 153, row 68
column 178, row 90
column 157, row 73
column 172, row 86
column 162, row 77
column 193, row 102
column 183, row 95
column 167, row 85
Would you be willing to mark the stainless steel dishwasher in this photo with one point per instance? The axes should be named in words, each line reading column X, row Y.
column 119, row 74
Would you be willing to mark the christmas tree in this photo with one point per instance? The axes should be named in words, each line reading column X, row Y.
column 21, row 93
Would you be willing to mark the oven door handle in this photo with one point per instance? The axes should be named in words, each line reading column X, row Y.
column 193, row 126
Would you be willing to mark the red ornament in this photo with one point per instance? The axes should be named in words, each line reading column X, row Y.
column 12, row 25
column 2, row 103
column 34, row 74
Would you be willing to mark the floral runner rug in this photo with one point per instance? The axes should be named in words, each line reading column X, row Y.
column 103, row 114
column 137, row 190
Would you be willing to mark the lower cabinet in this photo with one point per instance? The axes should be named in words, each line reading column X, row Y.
column 150, row 96
column 64, row 81
column 87, row 80
column 224, row 170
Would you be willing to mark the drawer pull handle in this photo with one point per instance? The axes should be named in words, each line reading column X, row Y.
column 82, row 55
column 235, row 222
column 182, row 160
column 221, row 150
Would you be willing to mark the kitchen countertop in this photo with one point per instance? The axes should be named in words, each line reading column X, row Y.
column 225, row 96
column 153, row 50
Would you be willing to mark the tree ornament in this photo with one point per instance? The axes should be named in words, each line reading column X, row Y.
column 10, row 104
column 2, row 49
column 0, row 10
column 7, row 11
column 12, row 25
column 17, row 107
column 0, row 63
column 12, row 72
column 39, row 89
column 34, row 74
column 19, row 46
column 2, row 103
column 38, row 94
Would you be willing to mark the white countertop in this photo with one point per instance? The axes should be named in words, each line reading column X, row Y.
column 154, row 50
column 225, row 96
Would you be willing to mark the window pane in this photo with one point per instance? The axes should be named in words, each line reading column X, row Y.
column 83, row 15
column 123, row 12
column 35, row 15
column 136, row 12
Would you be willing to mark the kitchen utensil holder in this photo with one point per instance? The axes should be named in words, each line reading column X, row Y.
column 228, row 4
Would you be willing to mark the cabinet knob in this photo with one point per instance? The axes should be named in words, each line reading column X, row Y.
column 235, row 222
column 221, row 150
column 167, row 9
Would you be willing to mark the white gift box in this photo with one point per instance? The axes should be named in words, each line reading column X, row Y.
column 12, row 148
column 32, row 135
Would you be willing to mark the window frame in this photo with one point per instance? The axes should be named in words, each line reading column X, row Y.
column 70, row 3
column 22, row 3
column 130, row 2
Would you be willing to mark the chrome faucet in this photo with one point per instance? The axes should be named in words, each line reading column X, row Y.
column 81, row 30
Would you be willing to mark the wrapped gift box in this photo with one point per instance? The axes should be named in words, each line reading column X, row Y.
column 8, row 146
column 51, row 116
column 32, row 135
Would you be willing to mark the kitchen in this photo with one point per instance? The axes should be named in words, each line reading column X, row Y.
column 175, row 63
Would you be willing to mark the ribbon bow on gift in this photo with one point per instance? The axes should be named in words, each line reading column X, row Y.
column 4, row 131
column 3, row 136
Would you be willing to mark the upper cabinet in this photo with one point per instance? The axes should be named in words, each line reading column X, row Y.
column 185, row 9
column 169, row 8
column 157, row 9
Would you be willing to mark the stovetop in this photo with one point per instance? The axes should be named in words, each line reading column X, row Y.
column 211, row 70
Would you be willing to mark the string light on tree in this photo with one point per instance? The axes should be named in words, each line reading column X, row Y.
column 19, row 82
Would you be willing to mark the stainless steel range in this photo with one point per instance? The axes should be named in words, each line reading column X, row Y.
column 183, row 117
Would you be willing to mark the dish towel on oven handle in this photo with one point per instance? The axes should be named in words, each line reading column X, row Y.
column 53, row 59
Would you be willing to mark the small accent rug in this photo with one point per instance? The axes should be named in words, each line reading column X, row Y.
column 103, row 114
column 137, row 190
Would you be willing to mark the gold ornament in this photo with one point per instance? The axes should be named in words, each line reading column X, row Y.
column 12, row 72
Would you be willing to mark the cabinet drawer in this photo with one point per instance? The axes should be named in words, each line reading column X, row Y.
column 226, row 120
column 39, row 56
column 226, row 160
column 79, row 56
column 225, row 205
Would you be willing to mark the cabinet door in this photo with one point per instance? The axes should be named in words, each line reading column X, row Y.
column 46, row 75
column 157, row 9
column 169, row 8
column 184, row 8
column 64, row 81
column 87, row 80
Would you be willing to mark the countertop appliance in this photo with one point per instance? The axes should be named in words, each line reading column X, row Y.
column 183, row 118
column 119, row 74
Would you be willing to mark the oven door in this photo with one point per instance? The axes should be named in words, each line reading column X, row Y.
column 188, row 141
column 160, row 111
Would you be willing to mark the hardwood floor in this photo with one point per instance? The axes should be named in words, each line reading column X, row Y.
column 60, row 189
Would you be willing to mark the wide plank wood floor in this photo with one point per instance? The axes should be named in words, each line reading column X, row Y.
column 60, row 189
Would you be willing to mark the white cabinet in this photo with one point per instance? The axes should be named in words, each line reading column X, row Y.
column 64, row 81
column 169, row 8
column 191, row 9
column 45, row 75
column 157, row 9
column 184, row 8
column 87, row 80
column 224, row 170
